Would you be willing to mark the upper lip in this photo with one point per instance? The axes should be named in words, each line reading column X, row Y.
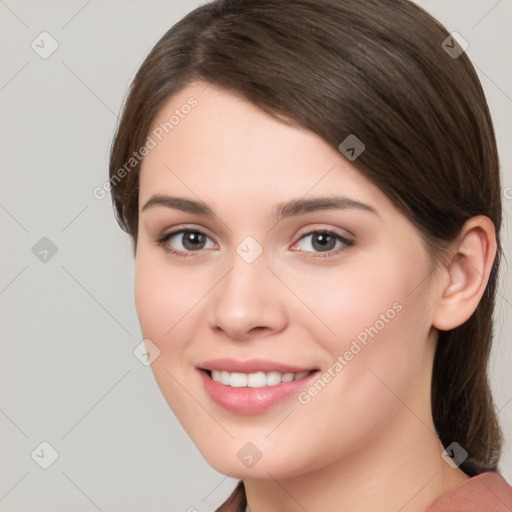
column 252, row 366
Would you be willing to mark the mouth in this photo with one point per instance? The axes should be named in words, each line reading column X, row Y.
column 252, row 387
column 254, row 380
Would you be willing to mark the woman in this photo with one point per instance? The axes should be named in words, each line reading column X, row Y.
column 312, row 190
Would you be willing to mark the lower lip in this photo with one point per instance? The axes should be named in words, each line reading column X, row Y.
column 251, row 400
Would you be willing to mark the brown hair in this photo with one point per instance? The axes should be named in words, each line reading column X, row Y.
column 376, row 69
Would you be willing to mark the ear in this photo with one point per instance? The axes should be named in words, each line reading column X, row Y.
column 467, row 273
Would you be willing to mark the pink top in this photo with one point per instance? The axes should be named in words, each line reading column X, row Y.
column 487, row 492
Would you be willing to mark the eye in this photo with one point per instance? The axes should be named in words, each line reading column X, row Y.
column 328, row 242
column 185, row 241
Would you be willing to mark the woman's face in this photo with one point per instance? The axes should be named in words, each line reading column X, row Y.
column 293, row 323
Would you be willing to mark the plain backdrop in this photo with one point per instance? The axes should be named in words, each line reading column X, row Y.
column 68, row 374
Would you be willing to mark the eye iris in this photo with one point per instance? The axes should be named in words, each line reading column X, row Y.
column 323, row 242
column 193, row 241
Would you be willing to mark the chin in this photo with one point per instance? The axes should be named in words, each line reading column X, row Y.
column 247, row 460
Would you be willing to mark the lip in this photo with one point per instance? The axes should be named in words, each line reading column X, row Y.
column 246, row 400
column 252, row 366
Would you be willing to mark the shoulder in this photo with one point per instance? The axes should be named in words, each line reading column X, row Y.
column 487, row 492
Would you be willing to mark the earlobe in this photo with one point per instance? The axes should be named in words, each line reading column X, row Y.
column 468, row 272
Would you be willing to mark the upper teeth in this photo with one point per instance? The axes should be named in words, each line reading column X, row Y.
column 254, row 380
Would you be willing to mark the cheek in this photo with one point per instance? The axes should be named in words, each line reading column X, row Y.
column 152, row 304
column 355, row 398
column 164, row 296
column 370, row 324
column 165, row 299
column 344, row 302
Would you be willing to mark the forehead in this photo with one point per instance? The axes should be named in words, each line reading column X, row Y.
column 213, row 144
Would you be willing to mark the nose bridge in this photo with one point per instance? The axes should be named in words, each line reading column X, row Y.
column 247, row 297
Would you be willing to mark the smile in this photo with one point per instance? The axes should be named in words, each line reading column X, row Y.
column 252, row 387
column 255, row 380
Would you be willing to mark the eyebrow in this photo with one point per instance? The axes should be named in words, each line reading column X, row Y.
column 282, row 210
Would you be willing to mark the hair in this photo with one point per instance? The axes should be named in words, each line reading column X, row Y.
column 376, row 69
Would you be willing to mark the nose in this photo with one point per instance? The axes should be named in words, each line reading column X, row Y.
column 248, row 302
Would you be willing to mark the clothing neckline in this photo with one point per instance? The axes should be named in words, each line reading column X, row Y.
column 492, row 480
column 488, row 489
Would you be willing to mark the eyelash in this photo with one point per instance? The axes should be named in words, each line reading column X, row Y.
column 347, row 244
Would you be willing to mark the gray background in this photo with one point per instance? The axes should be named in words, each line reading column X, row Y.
column 69, row 327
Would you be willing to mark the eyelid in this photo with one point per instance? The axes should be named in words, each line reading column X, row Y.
column 186, row 228
column 319, row 228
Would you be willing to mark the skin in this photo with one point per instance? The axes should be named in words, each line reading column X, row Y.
column 367, row 440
